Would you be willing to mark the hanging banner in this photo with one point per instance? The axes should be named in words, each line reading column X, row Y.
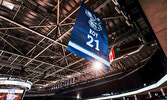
column 89, row 37
column 111, row 55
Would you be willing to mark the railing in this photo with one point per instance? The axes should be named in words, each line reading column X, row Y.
column 15, row 81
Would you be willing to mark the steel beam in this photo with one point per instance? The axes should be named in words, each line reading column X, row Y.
column 18, row 67
column 19, row 77
column 64, row 68
column 63, row 58
column 67, row 24
column 35, row 69
column 56, row 6
column 102, row 5
column 39, row 26
column 58, row 9
column 11, row 45
column 71, row 13
column 37, row 55
column 37, row 61
column 31, row 30
column 15, row 15
column 12, row 63
column 26, row 41
column 111, row 18
column 1, row 53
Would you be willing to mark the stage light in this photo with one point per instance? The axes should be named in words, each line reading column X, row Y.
column 68, row 76
column 78, row 96
column 97, row 65
column 52, row 57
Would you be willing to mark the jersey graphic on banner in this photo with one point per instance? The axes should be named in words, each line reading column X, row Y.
column 89, row 37
column 94, row 22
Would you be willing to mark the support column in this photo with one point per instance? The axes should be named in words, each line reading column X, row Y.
column 149, row 93
column 163, row 93
column 135, row 97
column 24, row 93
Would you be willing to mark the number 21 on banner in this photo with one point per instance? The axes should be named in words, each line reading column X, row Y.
column 90, row 43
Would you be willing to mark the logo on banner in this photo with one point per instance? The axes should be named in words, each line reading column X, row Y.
column 94, row 22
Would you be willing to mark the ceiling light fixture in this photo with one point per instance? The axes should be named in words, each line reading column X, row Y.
column 8, row 5
column 68, row 76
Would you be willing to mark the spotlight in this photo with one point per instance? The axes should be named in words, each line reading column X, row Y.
column 78, row 96
column 52, row 57
column 97, row 65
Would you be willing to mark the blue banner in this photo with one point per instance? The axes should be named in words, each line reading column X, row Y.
column 89, row 37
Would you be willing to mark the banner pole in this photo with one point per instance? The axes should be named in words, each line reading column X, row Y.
column 24, row 93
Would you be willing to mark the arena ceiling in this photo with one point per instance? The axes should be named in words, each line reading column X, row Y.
column 34, row 35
